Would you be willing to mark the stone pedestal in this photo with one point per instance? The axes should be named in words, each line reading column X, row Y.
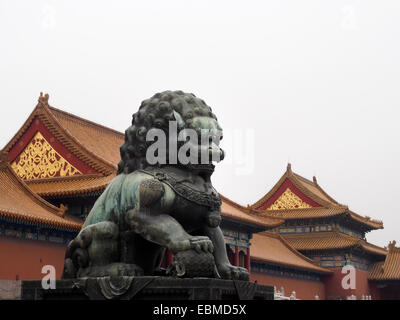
column 147, row 288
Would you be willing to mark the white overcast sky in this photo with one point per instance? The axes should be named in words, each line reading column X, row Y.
column 315, row 82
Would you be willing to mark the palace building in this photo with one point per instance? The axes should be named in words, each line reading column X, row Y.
column 296, row 237
column 324, row 230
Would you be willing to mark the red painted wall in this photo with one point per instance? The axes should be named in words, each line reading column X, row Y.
column 305, row 290
column 391, row 292
column 375, row 291
column 334, row 289
column 23, row 259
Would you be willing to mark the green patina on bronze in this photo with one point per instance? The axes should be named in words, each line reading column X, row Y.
column 148, row 208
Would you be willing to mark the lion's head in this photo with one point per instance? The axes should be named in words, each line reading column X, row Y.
column 188, row 112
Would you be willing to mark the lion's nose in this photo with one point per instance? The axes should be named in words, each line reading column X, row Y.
column 215, row 152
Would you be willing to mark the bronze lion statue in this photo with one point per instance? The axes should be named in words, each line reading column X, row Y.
column 150, row 207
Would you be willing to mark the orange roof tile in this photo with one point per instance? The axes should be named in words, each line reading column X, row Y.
column 330, row 240
column 311, row 189
column 388, row 269
column 69, row 186
column 272, row 248
column 321, row 212
column 233, row 210
column 18, row 202
column 106, row 143
column 305, row 213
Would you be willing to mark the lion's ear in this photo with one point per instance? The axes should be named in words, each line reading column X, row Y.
column 179, row 120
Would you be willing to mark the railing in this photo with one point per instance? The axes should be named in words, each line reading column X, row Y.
column 363, row 297
column 280, row 295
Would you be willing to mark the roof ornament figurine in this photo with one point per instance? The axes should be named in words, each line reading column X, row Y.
column 392, row 245
column 63, row 209
column 315, row 179
column 43, row 99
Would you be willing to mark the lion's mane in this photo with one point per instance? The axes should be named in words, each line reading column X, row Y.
column 156, row 112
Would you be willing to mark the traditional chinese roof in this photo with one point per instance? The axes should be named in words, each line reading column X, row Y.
column 81, row 146
column 314, row 241
column 295, row 197
column 59, row 154
column 18, row 203
column 233, row 210
column 388, row 269
column 272, row 248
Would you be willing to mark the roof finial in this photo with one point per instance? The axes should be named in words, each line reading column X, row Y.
column 289, row 167
column 43, row 99
column 314, row 178
column 392, row 245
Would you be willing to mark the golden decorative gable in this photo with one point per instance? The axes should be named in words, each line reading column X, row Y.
column 288, row 200
column 39, row 160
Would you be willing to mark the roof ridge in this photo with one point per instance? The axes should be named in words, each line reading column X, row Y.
column 326, row 194
column 339, row 209
column 302, row 178
column 268, row 195
column 307, row 192
column 86, row 121
column 66, row 178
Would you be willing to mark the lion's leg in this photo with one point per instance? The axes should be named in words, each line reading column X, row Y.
column 225, row 269
column 165, row 231
column 147, row 255
column 95, row 252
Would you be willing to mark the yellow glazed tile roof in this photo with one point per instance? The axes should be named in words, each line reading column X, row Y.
column 18, row 202
column 272, row 248
column 388, row 269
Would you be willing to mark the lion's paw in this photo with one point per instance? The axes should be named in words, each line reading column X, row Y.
column 228, row 271
column 198, row 243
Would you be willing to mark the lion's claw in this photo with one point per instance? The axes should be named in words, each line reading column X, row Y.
column 201, row 243
column 198, row 243
column 227, row 271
